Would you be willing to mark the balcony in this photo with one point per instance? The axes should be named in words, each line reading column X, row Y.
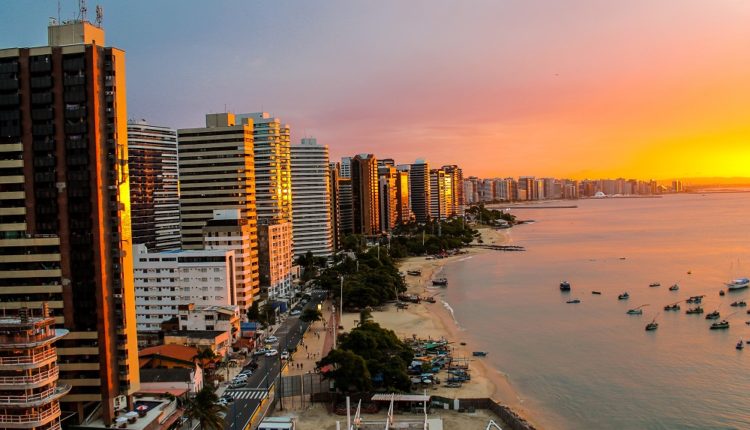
column 34, row 400
column 30, row 381
column 13, row 342
column 30, row 420
column 28, row 361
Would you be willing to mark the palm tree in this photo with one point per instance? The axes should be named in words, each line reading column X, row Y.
column 205, row 356
column 204, row 409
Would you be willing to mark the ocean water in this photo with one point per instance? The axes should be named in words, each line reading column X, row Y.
column 590, row 365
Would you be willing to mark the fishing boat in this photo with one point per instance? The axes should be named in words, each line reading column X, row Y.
column 596, row 292
column 414, row 272
column 695, row 299
column 479, row 353
column 721, row 292
column 623, row 296
column 441, row 282
column 674, row 287
column 636, row 311
column 740, row 345
column 654, row 284
column 573, row 301
column 672, row 307
column 713, row 315
column 695, row 310
column 653, row 325
column 720, row 325
column 564, row 286
column 739, row 304
column 738, row 284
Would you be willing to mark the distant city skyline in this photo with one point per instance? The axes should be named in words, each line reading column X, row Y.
column 579, row 89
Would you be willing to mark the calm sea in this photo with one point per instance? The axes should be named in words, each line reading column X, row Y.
column 591, row 366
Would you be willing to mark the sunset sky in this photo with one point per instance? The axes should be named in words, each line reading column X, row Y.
column 646, row 89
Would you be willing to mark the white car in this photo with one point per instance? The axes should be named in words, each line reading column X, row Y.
column 271, row 353
column 296, row 312
column 285, row 355
column 222, row 402
column 272, row 339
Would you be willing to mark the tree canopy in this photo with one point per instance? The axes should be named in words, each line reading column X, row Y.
column 204, row 409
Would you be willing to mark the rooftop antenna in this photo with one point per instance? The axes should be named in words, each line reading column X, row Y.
column 99, row 15
column 82, row 10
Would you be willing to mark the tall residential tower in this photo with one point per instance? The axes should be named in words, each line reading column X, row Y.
column 311, row 199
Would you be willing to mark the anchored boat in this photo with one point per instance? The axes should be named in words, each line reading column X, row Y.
column 740, row 304
column 654, row 284
column 564, row 286
column 695, row 310
column 738, row 284
column 720, row 325
column 441, row 282
column 674, row 287
column 713, row 315
column 636, row 311
column 623, row 296
column 672, row 307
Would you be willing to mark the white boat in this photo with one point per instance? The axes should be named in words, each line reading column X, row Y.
column 738, row 284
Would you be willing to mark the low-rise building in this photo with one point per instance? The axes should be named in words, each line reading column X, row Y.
column 174, row 380
column 217, row 341
column 219, row 318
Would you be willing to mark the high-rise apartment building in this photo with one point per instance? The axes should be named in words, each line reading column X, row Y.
column 403, row 199
column 440, row 195
column 311, row 199
column 275, row 242
column 457, row 190
column 154, row 194
column 365, row 195
column 273, row 172
column 29, row 371
column 65, row 233
column 335, row 209
column 228, row 230
column 388, row 197
column 346, row 209
column 419, row 182
column 345, row 168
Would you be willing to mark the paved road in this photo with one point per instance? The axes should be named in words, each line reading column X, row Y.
column 248, row 398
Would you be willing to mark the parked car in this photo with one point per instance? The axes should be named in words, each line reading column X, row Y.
column 261, row 351
column 247, row 372
column 285, row 355
column 227, row 398
column 295, row 312
column 236, row 384
column 271, row 353
column 222, row 402
column 272, row 339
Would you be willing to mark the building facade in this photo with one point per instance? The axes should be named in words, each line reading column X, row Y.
column 440, row 195
column 403, row 199
column 311, row 199
column 388, row 197
column 274, row 240
column 365, row 195
column 273, row 172
column 166, row 280
column 65, row 233
column 419, row 181
column 154, row 194
column 29, row 371
column 228, row 231
column 334, row 208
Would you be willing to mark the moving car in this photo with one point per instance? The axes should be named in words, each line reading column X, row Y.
column 271, row 353
column 272, row 339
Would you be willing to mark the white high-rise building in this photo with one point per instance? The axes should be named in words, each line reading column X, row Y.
column 165, row 280
column 311, row 199
column 346, row 167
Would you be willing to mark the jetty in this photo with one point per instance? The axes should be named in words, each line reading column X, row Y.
column 507, row 248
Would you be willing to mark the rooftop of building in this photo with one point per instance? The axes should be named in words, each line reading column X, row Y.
column 148, row 410
column 196, row 334
column 176, row 352
column 176, row 374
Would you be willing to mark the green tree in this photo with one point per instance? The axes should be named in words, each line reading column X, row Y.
column 349, row 371
column 253, row 314
column 203, row 408
column 310, row 315
column 268, row 314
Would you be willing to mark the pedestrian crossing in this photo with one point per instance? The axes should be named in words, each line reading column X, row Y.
column 247, row 394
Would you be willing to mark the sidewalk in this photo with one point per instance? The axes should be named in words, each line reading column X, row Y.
column 316, row 343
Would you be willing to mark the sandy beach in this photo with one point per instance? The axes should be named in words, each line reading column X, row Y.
column 424, row 320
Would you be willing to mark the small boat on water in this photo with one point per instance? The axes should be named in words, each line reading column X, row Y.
column 653, row 325
column 479, row 353
column 721, row 292
column 636, row 311
column 672, row 307
column 573, row 301
column 654, row 284
column 738, row 284
column 596, row 292
column 740, row 345
column 441, row 282
column 623, row 296
column 414, row 272
column 695, row 299
column 713, row 315
column 564, row 286
column 695, row 310
column 674, row 287
column 720, row 325
column 740, row 304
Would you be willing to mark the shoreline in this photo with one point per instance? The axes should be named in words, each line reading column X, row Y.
column 436, row 320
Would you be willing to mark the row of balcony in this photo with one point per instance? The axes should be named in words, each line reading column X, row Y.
column 30, row 420
column 36, row 399
column 23, row 360
column 37, row 379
